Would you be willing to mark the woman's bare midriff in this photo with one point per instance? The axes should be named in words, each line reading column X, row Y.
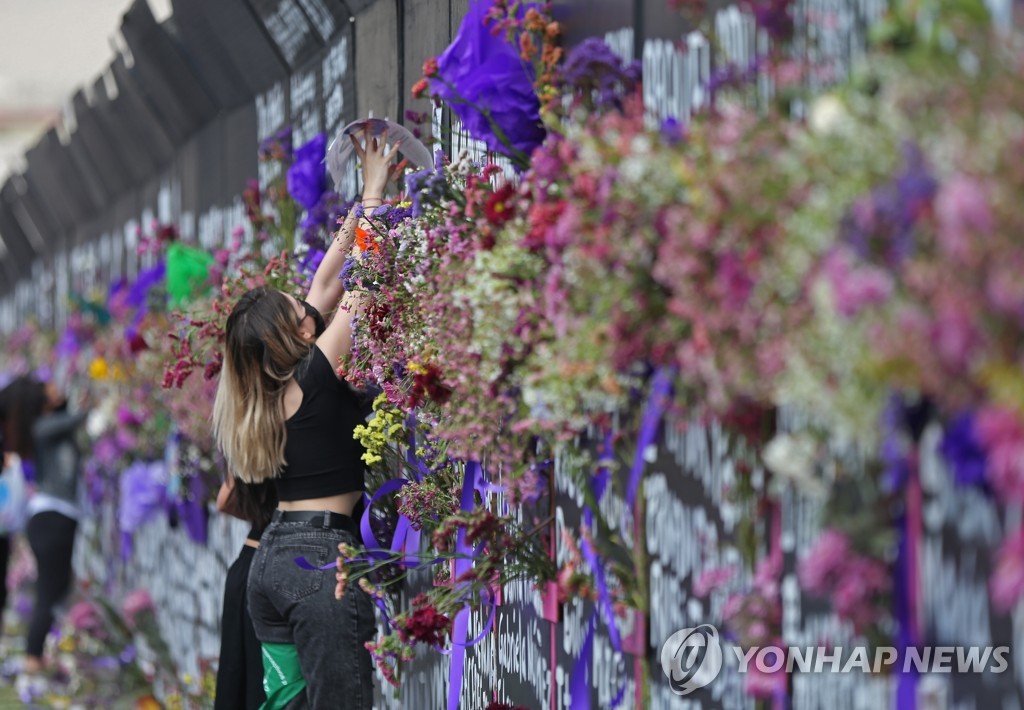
column 344, row 503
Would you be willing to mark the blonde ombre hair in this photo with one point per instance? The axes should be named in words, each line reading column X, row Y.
column 262, row 348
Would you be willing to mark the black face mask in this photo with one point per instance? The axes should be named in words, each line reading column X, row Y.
column 318, row 320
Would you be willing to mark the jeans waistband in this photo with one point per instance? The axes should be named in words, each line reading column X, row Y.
column 317, row 519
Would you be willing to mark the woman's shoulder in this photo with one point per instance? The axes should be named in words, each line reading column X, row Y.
column 316, row 369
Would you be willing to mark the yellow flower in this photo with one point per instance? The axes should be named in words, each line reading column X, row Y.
column 98, row 369
column 1005, row 384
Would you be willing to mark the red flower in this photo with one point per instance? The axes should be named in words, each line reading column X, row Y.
column 136, row 344
column 499, row 207
column 214, row 366
column 430, row 67
column 425, row 623
column 419, row 88
column 427, row 382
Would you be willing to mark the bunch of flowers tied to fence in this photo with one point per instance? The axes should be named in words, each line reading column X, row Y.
column 761, row 262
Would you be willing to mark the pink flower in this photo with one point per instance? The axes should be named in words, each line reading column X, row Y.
column 854, row 582
column 712, row 578
column 761, row 684
column 1001, row 433
column 136, row 602
column 1004, row 288
column 963, row 213
column 732, row 606
column 733, row 281
column 818, row 569
column 1006, row 586
column 858, row 586
column 855, row 287
column 954, row 334
column 83, row 616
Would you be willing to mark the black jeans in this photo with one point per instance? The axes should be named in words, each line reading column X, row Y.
column 290, row 604
column 5, row 558
column 51, row 536
column 240, row 668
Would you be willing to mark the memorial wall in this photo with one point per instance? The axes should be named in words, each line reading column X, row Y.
column 169, row 134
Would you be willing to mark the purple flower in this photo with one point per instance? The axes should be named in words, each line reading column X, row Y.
column 310, row 262
column 774, row 17
column 600, row 75
column 427, row 187
column 732, row 75
column 322, row 218
column 346, row 274
column 879, row 227
column 672, row 131
column 278, row 146
column 963, row 451
column 307, row 176
column 143, row 491
column 489, row 87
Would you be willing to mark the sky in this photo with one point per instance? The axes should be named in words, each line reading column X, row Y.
column 48, row 49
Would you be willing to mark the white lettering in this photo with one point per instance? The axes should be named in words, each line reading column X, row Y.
column 884, row 656
column 858, row 659
column 833, row 658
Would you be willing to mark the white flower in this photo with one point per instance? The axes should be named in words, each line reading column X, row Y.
column 827, row 113
column 791, row 457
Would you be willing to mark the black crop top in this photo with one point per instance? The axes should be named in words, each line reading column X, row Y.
column 322, row 459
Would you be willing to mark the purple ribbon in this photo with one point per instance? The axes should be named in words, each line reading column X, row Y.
column 661, row 390
column 579, row 686
column 408, row 538
column 903, row 597
column 462, row 564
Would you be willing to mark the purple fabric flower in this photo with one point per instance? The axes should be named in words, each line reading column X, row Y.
column 307, row 176
column 489, row 87
column 322, row 218
column 310, row 262
column 143, row 492
column 68, row 346
column 963, row 451
column 187, row 508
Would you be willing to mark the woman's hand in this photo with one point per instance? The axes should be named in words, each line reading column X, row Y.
column 375, row 162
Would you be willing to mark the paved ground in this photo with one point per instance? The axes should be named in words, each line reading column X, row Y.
column 9, row 700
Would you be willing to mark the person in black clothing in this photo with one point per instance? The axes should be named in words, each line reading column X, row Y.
column 21, row 403
column 39, row 428
column 54, row 511
column 240, row 670
column 283, row 415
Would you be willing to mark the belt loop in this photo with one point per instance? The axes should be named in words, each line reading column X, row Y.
column 326, row 523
